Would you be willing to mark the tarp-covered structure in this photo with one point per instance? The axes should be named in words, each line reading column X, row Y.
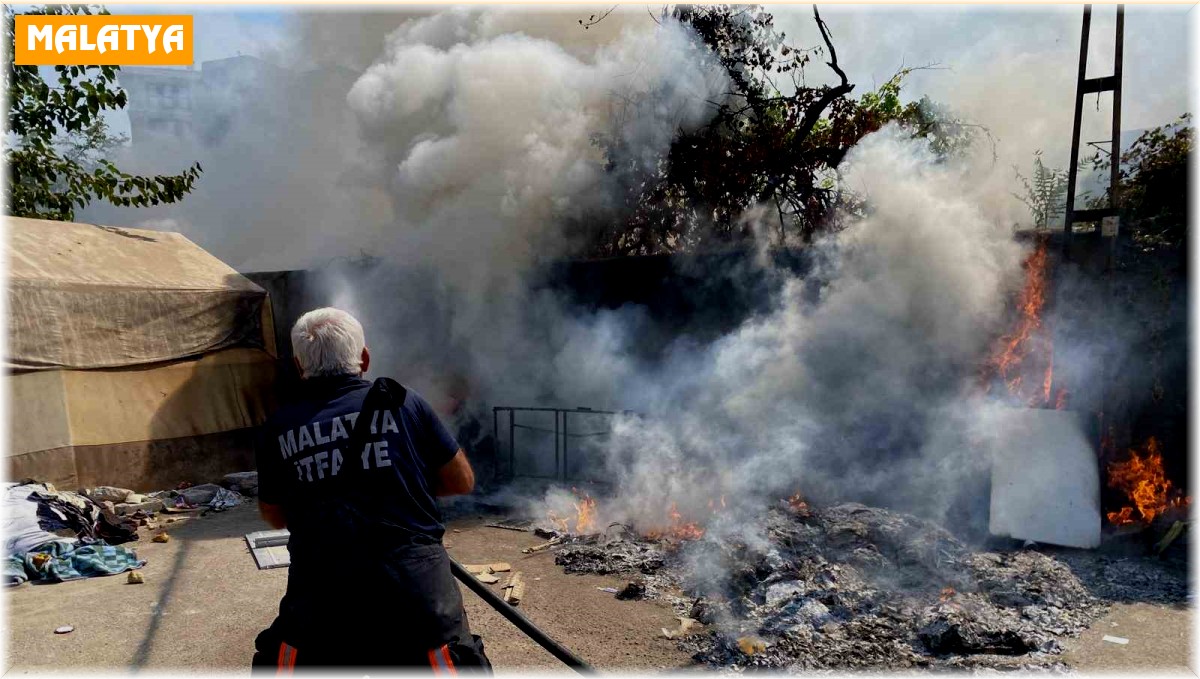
column 134, row 358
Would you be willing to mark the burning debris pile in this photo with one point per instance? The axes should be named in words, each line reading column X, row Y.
column 849, row 587
column 1142, row 479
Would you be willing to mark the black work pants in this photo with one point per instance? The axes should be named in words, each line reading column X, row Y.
column 401, row 609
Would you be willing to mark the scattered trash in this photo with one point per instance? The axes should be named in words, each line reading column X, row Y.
column 610, row 590
column 514, row 589
column 245, row 483
column 487, row 578
column 488, row 568
column 224, row 499
column 543, row 546
column 457, row 530
column 108, row 494
column 65, row 629
column 1116, row 640
column 1050, row 646
column 611, row 559
column 161, row 537
column 685, row 624
column 511, row 524
column 1175, row 531
column 200, row 495
column 135, row 578
column 632, row 591
column 145, row 507
column 52, row 514
column 751, row 645
column 851, row 587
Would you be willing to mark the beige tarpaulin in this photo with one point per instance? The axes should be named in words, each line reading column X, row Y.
column 146, row 427
column 219, row 392
column 88, row 296
column 136, row 358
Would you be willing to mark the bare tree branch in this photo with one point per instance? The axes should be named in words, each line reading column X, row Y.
column 593, row 20
column 833, row 62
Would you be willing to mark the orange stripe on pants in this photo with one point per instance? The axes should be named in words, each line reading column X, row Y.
column 287, row 660
column 439, row 660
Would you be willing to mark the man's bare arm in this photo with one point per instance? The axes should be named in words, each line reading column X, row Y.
column 455, row 477
column 272, row 514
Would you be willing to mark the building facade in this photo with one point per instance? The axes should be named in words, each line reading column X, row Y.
column 194, row 105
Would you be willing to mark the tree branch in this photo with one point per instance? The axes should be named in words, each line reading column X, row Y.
column 592, row 20
column 833, row 62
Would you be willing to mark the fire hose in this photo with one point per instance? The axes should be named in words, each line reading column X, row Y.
column 520, row 621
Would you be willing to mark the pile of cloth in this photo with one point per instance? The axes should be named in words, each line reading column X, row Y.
column 207, row 495
column 52, row 536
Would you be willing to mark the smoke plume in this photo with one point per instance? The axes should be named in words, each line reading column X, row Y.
column 454, row 149
column 854, row 384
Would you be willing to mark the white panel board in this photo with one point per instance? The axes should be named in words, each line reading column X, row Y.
column 269, row 548
column 1045, row 478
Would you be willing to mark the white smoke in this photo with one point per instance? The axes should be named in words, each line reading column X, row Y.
column 486, row 143
column 489, row 142
column 855, row 387
column 461, row 147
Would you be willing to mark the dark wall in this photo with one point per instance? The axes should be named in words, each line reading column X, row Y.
column 700, row 296
column 704, row 296
column 1135, row 312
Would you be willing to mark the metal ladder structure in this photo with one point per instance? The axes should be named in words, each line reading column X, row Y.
column 1111, row 425
column 1107, row 216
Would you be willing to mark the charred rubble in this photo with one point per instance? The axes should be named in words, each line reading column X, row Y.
column 857, row 587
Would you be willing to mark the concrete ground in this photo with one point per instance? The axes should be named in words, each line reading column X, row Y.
column 204, row 601
column 1159, row 641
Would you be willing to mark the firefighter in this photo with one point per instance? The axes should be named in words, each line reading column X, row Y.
column 352, row 471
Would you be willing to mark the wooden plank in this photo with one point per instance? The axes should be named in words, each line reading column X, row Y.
column 514, row 589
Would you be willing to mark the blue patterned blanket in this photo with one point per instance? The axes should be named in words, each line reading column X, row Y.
column 59, row 560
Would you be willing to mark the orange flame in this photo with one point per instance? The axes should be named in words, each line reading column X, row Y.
column 797, row 503
column 560, row 524
column 1146, row 486
column 585, row 520
column 677, row 528
column 1060, row 401
column 1019, row 353
column 947, row 594
column 585, row 516
column 712, row 507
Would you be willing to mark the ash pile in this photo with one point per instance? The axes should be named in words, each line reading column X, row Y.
column 852, row 587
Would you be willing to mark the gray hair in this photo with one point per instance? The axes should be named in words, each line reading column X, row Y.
column 328, row 342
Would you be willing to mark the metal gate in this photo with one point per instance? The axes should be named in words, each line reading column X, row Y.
column 575, row 433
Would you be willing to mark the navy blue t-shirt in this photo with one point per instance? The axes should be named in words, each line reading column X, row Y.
column 303, row 450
